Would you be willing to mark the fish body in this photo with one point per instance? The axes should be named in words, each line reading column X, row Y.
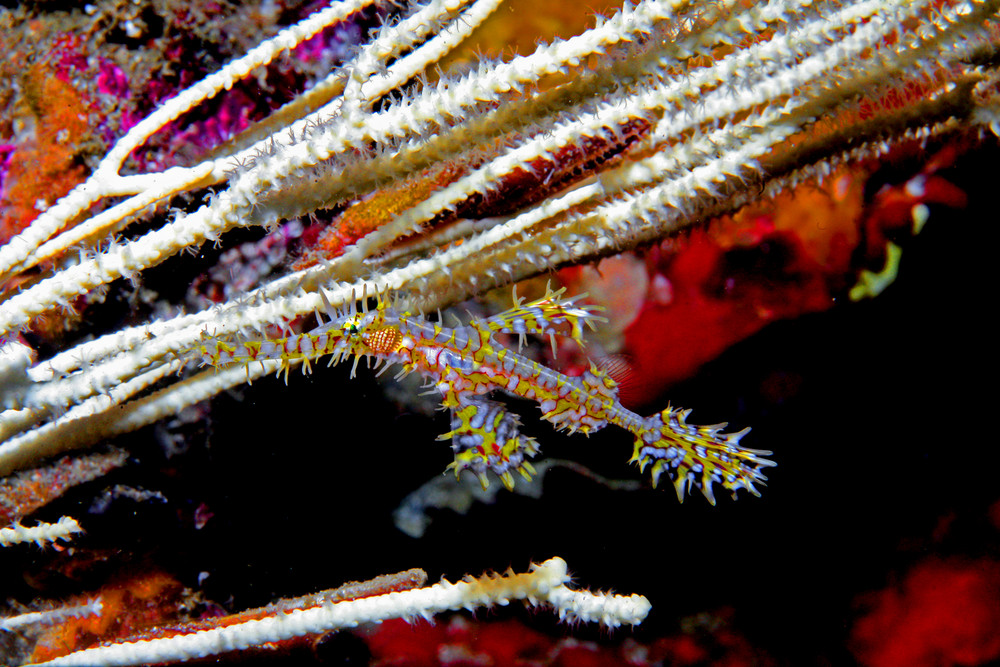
column 466, row 364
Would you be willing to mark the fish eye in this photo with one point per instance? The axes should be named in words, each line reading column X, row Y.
column 353, row 330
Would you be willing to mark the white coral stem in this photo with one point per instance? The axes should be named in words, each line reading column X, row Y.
column 544, row 585
column 42, row 534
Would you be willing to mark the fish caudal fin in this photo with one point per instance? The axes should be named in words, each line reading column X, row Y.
column 699, row 456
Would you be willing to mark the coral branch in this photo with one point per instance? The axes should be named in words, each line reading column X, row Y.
column 43, row 533
column 545, row 585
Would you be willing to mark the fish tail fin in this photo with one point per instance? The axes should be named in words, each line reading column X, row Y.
column 699, row 456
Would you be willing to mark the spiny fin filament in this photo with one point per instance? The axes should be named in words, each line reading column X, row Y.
column 699, row 456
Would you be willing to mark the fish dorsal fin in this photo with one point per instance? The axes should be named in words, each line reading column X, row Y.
column 549, row 316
